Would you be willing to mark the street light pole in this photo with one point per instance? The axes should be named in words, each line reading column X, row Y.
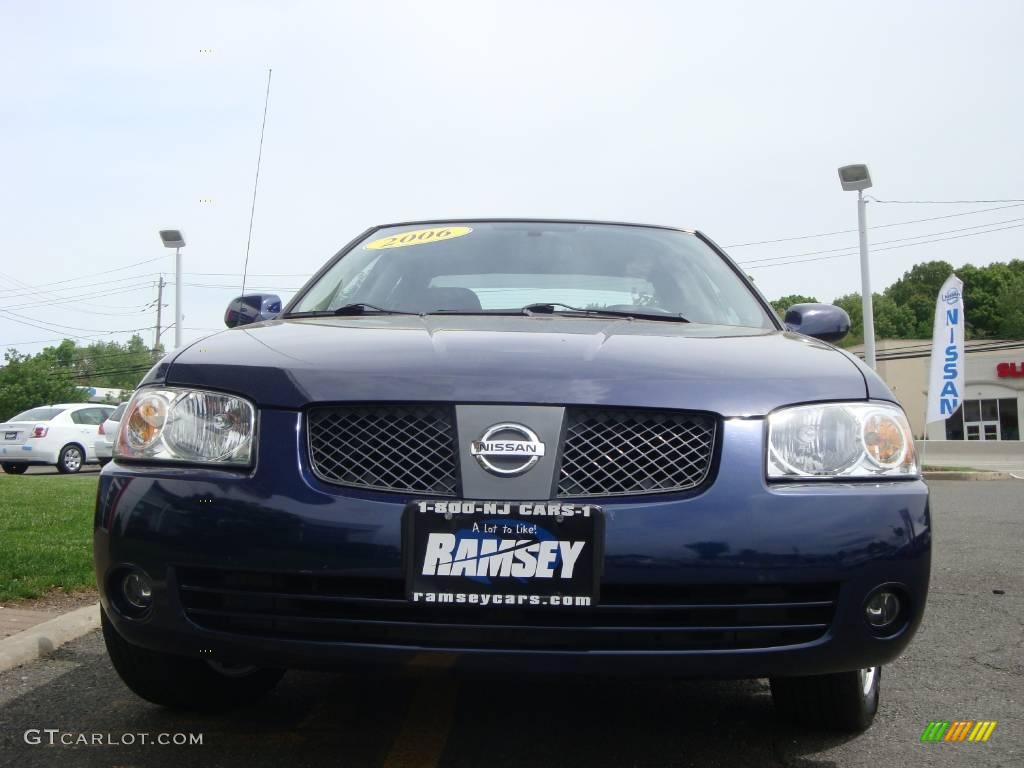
column 173, row 238
column 855, row 178
column 865, row 281
column 177, row 295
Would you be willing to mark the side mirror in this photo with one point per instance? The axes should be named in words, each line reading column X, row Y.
column 822, row 321
column 252, row 309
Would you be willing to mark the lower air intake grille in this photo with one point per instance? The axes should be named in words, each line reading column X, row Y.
column 617, row 452
column 631, row 617
column 387, row 448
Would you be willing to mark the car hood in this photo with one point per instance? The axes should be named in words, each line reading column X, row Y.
column 728, row 370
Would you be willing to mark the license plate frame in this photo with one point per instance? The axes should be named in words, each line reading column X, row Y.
column 11, row 435
column 545, row 537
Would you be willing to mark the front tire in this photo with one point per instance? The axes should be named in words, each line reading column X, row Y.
column 845, row 701
column 15, row 469
column 71, row 459
column 178, row 682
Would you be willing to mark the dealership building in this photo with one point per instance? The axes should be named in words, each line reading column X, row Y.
column 993, row 397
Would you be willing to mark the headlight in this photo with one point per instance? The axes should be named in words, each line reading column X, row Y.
column 840, row 440
column 189, row 425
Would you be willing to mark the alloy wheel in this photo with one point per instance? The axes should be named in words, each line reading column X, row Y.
column 72, row 459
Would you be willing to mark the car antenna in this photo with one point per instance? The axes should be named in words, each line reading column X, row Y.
column 255, row 186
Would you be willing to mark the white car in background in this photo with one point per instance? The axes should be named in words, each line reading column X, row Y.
column 63, row 435
column 104, row 447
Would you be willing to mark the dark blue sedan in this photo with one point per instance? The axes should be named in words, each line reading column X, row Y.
column 532, row 444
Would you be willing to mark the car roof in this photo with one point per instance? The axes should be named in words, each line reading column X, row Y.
column 522, row 220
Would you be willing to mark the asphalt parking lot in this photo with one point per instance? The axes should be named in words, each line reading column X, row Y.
column 965, row 664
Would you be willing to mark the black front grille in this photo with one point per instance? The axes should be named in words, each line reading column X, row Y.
column 391, row 448
column 613, row 452
column 636, row 617
column 606, row 451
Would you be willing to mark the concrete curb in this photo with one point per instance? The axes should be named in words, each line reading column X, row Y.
column 43, row 639
column 952, row 475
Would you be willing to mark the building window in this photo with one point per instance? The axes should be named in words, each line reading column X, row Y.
column 955, row 425
column 989, row 419
column 1008, row 427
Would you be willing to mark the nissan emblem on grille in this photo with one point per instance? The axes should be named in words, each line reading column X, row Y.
column 507, row 449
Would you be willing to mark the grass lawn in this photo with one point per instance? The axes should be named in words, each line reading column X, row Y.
column 45, row 534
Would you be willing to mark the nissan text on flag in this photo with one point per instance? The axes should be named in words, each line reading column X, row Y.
column 577, row 445
column 946, row 378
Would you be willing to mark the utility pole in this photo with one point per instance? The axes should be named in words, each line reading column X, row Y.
column 159, row 307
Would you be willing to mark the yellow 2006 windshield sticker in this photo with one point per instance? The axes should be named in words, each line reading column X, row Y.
column 417, row 237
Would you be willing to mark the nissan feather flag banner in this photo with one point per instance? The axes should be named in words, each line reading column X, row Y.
column 946, row 380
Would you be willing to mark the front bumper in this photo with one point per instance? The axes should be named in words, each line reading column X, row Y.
column 743, row 579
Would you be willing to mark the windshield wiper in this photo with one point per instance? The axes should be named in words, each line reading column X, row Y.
column 549, row 309
column 360, row 308
column 363, row 308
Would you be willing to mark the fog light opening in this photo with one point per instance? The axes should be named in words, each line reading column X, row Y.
column 882, row 610
column 137, row 590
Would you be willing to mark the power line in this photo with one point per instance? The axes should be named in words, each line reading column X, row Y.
column 105, row 272
column 102, row 355
column 876, row 226
column 883, row 242
column 40, row 327
column 80, row 297
column 887, row 248
column 91, row 295
column 972, row 345
column 6, row 344
column 46, row 287
column 54, row 298
column 117, row 372
column 71, row 336
column 14, row 293
column 56, row 327
column 941, row 202
column 918, row 355
column 251, row 274
column 77, row 365
column 234, row 288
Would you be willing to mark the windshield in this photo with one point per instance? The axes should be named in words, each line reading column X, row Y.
column 504, row 266
column 38, row 414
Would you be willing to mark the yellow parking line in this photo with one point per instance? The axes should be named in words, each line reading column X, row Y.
column 421, row 740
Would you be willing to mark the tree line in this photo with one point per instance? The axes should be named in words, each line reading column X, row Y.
column 993, row 302
column 62, row 373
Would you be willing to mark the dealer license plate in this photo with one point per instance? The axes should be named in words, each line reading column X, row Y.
column 501, row 553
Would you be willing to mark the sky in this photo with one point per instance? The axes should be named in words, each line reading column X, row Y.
column 121, row 119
